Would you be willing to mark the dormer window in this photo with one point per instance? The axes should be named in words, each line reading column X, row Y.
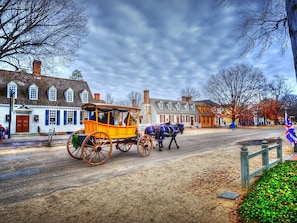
column 69, row 95
column 193, row 107
column 33, row 92
column 161, row 105
column 186, row 106
column 12, row 88
column 84, row 96
column 52, row 94
column 177, row 106
column 169, row 105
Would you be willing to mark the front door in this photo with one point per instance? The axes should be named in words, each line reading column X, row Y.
column 22, row 123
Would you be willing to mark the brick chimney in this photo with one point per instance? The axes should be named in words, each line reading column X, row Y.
column 97, row 97
column 189, row 99
column 146, row 96
column 37, row 69
column 134, row 103
column 183, row 98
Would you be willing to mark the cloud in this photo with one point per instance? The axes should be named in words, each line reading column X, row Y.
column 163, row 46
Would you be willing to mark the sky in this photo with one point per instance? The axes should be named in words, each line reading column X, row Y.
column 163, row 46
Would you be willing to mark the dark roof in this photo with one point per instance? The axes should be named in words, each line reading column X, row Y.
column 24, row 81
column 208, row 103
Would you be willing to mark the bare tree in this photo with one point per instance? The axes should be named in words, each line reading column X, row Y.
column 277, row 88
column 135, row 96
column 235, row 86
column 109, row 98
column 190, row 92
column 289, row 103
column 76, row 75
column 266, row 22
column 47, row 30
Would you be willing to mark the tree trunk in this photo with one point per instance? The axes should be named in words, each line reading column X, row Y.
column 291, row 8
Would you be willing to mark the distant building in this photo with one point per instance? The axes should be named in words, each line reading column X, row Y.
column 42, row 103
column 164, row 110
column 210, row 114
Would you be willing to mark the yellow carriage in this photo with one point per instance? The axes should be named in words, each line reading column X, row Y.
column 106, row 125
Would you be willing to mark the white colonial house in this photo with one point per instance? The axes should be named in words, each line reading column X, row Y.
column 42, row 103
column 163, row 110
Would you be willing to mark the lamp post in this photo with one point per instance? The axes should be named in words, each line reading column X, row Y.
column 11, row 102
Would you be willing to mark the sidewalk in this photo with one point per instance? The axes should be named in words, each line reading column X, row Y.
column 33, row 140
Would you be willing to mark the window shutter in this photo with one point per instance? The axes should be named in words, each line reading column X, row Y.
column 75, row 118
column 58, row 117
column 65, row 117
column 80, row 116
column 46, row 117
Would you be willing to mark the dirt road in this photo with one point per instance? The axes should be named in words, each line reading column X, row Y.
column 177, row 185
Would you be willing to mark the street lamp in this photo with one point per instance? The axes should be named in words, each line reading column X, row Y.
column 11, row 102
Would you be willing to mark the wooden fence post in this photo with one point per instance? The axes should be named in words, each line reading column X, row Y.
column 265, row 154
column 279, row 149
column 244, row 166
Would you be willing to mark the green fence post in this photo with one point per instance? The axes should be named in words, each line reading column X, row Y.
column 244, row 159
column 279, row 149
column 265, row 154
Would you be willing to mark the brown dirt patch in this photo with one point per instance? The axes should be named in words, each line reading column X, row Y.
column 186, row 190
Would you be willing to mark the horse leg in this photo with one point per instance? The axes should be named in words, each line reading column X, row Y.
column 174, row 138
column 160, row 143
column 169, row 147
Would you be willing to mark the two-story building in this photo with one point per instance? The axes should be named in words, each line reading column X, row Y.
column 163, row 110
column 42, row 103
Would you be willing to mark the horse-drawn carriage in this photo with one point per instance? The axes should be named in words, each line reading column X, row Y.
column 106, row 125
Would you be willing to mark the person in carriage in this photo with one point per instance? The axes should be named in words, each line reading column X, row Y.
column 2, row 132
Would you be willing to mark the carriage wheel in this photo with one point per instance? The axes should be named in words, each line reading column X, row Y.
column 73, row 145
column 145, row 145
column 124, row 147
column 96, row 148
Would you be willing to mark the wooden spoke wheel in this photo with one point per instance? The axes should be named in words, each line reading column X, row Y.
column 73, row 144
column 124, row 146
column 96, row 148
column 145, row 145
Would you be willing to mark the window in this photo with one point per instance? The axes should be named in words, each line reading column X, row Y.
column 177, row 106
column 186, row 107
column 33, row 92
column 161, row 105
column 70, row 117
column 69, row 95
column 84, row 96
column 169, row 105
column 193, row 107
column 12, row 88
column 52, row 94
column 52, row 117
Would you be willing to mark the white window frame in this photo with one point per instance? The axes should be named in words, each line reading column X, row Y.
column 70, row 117
column 12, row 86
column 177, row 106
column 52, row 117
column 161, row 105
column 169, row 105
column 52, row 93
column 33, row 92
column 69, row 95
column 84, row 96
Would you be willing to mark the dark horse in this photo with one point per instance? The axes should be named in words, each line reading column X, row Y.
column 160, row 131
